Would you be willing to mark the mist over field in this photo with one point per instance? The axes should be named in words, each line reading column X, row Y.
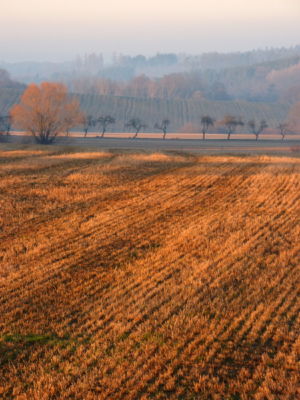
column 254, row 85
column 218, row 57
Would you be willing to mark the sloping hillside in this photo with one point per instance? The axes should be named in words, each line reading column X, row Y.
column 180, row 112
column 8, row 97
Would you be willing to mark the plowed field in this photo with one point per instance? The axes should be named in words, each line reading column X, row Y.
column 148, row 276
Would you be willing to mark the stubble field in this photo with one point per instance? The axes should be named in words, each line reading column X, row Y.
column 148, row 276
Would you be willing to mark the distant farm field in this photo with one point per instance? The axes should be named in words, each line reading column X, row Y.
column 180, row 112
column 148, row 275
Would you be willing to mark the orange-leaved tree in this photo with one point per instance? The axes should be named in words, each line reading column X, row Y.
column 46, row 110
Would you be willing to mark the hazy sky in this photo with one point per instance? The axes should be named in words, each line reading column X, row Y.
column 61, row 29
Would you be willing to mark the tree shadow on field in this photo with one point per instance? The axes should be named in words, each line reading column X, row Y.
column 136, row 172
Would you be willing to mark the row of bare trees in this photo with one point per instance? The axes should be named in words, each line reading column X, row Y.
column 47, row 110
column 230, row 123
column 90, row 122
column 135, row 124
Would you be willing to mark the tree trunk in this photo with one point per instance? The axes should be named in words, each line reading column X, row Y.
column 228, row 136
column 203, row 135
column 164, row 135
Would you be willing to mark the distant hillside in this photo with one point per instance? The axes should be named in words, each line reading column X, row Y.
column 7, row 83
column 125, row 67
column 8, row 97
column 10, row 91
column 179, row 112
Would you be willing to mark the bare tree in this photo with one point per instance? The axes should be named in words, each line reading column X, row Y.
column 206, row 122
column 104, row 122
column 44, row 111
column 136, row 124
column 284, row 128
column 88, row 122
column 231, row 123
column 163, row 126
column 5, row 124
column 257, row 129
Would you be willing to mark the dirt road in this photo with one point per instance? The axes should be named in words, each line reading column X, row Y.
column 157, row 144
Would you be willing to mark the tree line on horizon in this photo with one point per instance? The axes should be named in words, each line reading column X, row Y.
column 269, row 83
column 47, row 110
column 268, row 76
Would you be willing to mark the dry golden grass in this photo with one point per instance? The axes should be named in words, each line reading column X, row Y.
column 148, row 276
